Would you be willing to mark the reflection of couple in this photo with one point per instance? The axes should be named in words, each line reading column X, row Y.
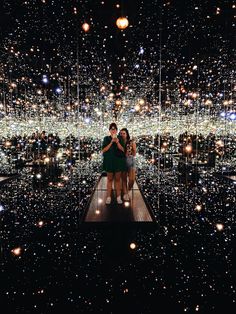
column 119, row 162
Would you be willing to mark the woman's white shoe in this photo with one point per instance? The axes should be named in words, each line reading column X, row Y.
column 126, row 197
column 108, row 200
column 119, row 200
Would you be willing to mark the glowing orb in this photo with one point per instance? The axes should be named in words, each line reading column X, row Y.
column 86, row 27
column 122, row 22
column 132, row 246
column 16, row 251
column 219, row 227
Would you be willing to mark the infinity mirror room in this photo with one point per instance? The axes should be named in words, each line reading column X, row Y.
column 117, row 156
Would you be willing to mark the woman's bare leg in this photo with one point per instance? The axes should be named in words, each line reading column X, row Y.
column 110, row 177
column 118, row 183
column 124, row 176
column 131, row 178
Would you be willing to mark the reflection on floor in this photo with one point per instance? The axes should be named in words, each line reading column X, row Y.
column 3, row 179
column 6, row 178
column 134, row 211
column 231, row 177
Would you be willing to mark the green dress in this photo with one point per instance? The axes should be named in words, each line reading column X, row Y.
column 114, row 158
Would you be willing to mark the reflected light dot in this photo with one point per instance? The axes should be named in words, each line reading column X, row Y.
column 86, row 27
column 198, row 208
column 40, row 223
column 100, row 201
column 16, row 251
column 132, row 246
column 219, row 227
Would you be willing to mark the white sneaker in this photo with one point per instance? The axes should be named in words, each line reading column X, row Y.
column 108, row 200
column 126, row 197
column 119, row 200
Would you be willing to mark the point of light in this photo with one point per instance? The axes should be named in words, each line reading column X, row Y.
column 132, row 246
column 122, row 23
column 198, row 207
column 45, row 79
column 40, row 223
column 86, row 27
column 141, row 51
column 16, row 251
column 58, row 90
column 219, row 227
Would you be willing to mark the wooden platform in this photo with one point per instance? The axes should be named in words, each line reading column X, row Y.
column 134, row 211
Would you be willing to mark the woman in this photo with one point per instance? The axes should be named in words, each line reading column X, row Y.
column 113, row 162
column 130, row 153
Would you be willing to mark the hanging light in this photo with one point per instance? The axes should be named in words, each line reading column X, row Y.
column 86, row 27
column 122, row 22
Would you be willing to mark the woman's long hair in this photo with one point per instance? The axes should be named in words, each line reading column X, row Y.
column 127, row 134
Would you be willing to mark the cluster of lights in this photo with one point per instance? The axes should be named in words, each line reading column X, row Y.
column 197, row 97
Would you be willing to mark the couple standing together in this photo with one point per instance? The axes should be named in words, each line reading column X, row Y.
column 119, row 162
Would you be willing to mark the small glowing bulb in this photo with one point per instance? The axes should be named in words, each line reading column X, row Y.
column 16, row 251
column 132, row 246
column 40, row 223
column 198, row 208
column 219, row 227
column 45, row 79
column 86, row 27
column 122, row 22
column 141, row 101
column 188, row 148
column 141, row 51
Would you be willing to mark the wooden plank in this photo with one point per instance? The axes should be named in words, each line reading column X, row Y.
column 133, row 211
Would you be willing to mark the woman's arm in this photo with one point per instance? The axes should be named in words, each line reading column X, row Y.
column 107, row 147
column 120, row 146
